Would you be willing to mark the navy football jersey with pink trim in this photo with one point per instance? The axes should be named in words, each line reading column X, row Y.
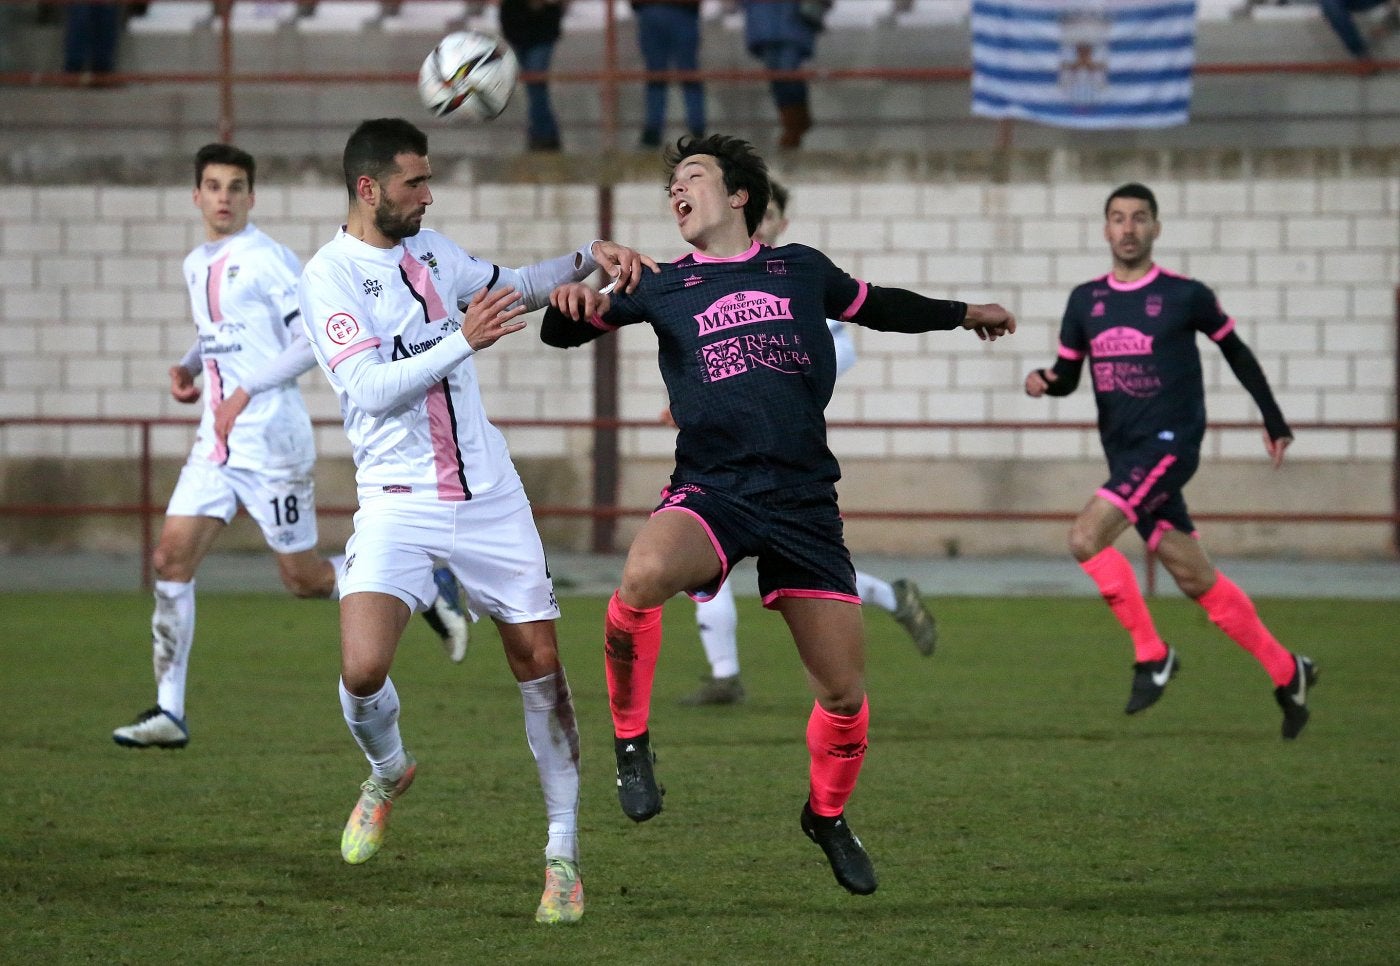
column 1140, row 340
column 748, row 362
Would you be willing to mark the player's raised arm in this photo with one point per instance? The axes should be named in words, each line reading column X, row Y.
column 622, row 264
column 491, row 315
column 574, row 316
column 990, row 321
column 900, row 310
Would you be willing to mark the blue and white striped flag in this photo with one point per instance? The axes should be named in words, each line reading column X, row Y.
column 1084, row 63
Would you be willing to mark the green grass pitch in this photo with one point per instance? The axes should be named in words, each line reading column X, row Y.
column 1015, row 815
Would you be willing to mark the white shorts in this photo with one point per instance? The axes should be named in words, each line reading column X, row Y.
column 283, row 502
column 490, row 543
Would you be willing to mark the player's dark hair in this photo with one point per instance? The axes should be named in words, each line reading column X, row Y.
column 223, row 154
column 740, row 164
column 375, row 144
column 1134, row 190
column 780, row 196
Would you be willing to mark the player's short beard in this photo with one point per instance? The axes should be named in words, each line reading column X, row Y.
column 391, row 223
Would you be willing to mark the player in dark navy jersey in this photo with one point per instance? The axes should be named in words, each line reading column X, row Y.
column 749, row 367
column 1136, row 327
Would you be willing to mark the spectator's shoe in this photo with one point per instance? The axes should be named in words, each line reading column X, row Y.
column 637, row 790
column 914, row 616
column 563, row 893
column 715, row 690
column 446, row 617
column 153, row 728
column 850, row 864
column 1293, row 696
column 1150, row 680
column 364, row 832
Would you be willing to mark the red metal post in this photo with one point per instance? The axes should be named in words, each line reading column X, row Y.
column 147, row 541
column 605, row 407
column 225, row 10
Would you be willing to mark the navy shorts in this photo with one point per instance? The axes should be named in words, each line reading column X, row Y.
column 796, row 536
column 1146, row 484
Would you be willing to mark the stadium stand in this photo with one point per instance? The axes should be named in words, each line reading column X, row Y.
column 339, row 16
column 262, row 16
column 173, row 17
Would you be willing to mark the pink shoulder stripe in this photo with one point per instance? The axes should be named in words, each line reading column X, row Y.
column 350, row 351
column 1224, row 330
column 854, row 307
column 1065, row 352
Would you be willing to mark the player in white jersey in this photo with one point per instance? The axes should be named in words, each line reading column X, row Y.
column 254, row 445
column 383, row 304
column 718, row 618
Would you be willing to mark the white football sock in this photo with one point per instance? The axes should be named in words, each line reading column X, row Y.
column 718, row 622
column 552, row 731
column 873, row 590
column 172, row 636
column 374, row 723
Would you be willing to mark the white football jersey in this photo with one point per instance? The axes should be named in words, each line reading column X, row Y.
column 426, row 431
column 243, row 296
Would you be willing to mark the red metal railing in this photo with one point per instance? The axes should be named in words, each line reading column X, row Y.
column 147, row 510
column 608, row 77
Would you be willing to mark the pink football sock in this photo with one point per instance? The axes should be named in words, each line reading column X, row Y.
column 836, row 744
column 632, row 641
column 1231, row 610
column 1114, row 576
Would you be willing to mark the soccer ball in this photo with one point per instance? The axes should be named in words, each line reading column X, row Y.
column 468, row 74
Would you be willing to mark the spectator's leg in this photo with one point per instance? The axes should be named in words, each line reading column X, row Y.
column 653, row 37
column 77, row 37
column 687, row 57
column 542, row 128
column 1338, row 14
column 106, row 27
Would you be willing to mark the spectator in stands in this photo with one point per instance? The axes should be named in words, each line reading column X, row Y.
column 668, row 33
column 90, row 35
column 532, row 28
column 783, row 34
column 1339, row 15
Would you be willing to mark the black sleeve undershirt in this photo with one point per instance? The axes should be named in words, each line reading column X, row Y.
column 1248, row 371
column 899, row 310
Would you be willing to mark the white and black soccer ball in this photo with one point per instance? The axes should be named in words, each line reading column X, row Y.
column 468, row 74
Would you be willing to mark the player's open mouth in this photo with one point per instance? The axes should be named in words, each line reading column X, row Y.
column 682, row 209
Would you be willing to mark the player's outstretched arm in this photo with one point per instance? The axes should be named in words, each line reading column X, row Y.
column 622, row 264
column 567, row 322
column 1038, row 382
column 990, row 321
column 491, row 315
column 1060, row 380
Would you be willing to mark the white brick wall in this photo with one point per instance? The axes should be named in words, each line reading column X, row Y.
column 93, row 310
